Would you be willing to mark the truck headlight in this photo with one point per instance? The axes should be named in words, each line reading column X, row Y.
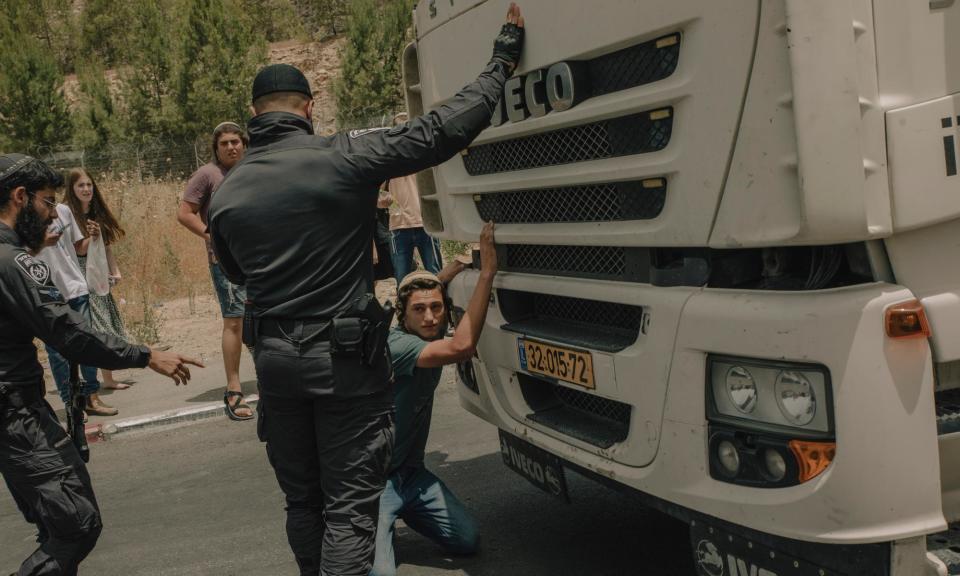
column 741, row 389
column 760, row 394
column 796, row 398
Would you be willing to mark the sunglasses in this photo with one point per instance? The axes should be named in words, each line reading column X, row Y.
column 47, row 201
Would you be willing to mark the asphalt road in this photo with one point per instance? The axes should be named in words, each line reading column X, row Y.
column 201, row 499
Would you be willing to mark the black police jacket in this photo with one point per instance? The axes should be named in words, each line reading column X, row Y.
column 294, row 219
column 31, row 306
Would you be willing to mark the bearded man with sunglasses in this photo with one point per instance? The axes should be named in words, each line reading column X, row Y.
column 40, row 465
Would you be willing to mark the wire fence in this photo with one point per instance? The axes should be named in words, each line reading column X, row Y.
column 384, row 119
column 154, row 159
column 151, row 160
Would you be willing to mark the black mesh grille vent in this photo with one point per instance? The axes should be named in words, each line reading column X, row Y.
column 592, row 324
column 634, row 66
column 607, row 202
column 593, row 404
column 587, row 417
column 607, row 314
column 586, row 261
column 598, row 262
column 633, row 134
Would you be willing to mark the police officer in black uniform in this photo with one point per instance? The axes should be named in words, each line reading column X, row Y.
column 39, row 463
column 293, row 221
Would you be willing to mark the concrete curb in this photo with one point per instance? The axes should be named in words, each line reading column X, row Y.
column 106, row 430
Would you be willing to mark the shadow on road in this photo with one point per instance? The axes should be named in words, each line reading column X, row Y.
column 248, row 387
column 525, row 531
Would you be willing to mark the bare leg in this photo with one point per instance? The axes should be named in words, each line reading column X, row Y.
column 232, row 344
column 109, row 382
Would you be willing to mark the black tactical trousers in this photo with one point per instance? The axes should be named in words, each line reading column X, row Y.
column 330, row 453
column 50, row 484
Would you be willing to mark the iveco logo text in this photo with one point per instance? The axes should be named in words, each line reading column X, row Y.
column 559, row 87
column 711, row 563
column 949, row 144
column 543, row 475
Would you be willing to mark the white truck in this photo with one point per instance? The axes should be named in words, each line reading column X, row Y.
column 729, row 242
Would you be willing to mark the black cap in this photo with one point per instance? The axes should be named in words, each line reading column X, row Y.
column 280, row 78
column 11, row 163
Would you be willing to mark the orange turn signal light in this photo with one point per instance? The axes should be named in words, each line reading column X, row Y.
column 907, row 320
column 812, row 457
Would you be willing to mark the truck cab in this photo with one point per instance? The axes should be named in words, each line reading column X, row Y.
column 729, row 247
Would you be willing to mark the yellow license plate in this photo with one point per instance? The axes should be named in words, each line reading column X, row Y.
column 567, row 364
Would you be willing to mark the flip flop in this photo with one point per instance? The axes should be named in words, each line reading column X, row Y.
column 231, row 408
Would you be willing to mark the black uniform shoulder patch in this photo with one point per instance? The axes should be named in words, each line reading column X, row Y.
column 358, row 133
column 35, row 269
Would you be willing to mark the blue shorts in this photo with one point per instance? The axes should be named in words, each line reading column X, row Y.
column 230, row 295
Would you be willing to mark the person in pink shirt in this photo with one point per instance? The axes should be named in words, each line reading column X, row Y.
column 229, row 144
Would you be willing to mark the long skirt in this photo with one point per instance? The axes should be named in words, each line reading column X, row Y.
column 104, row 313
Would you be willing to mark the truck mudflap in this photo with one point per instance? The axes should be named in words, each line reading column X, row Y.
column 719, row 553
column 723, row 549
column 731, row 552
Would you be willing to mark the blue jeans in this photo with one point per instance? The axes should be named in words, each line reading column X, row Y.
column 427, row 506
column 404, row 241
column 60, row 367
column 230, row 295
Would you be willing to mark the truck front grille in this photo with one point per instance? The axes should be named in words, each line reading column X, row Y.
column 607, row 202
column 606, row 326
column 633, row 134
column 608, row 261
column 634, row 66
column 587, row 417
column 597, row 262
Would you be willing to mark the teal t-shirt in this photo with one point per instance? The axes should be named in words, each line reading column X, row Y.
column 413, row 390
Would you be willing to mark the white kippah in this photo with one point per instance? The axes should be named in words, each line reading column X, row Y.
column 417, row 275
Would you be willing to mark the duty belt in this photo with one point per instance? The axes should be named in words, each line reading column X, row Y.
column 19, row 395
column 294, row 330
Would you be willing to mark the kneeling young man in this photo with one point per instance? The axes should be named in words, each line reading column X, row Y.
column 420, row 351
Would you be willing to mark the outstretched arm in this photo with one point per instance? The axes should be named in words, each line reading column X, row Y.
column 435, row 137
column 465, row 338
column 27, row 293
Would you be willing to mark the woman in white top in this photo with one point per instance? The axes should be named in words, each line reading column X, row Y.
column 94, row 216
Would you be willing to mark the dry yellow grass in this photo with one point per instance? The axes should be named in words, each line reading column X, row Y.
column 159, row 259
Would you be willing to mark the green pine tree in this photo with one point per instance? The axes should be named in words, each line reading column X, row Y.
column 95, row 119
column 33, row 111
column 149, row 107
column 370, row 74
column 219, row 55
column 105, row 30
column 52, row 22
column 276, row 20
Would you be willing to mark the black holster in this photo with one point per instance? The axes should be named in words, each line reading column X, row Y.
column 361, row 330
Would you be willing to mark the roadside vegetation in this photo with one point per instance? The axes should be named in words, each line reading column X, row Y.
column 82, row 78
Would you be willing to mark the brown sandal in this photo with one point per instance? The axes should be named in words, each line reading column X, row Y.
column 98, row 408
